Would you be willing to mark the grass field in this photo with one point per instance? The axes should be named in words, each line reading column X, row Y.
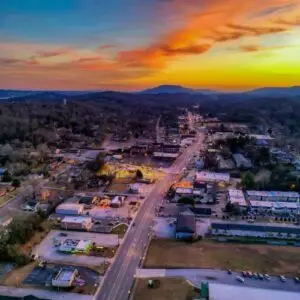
column 169, row 288
column 165, row 253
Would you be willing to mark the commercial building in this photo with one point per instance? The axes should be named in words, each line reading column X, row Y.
column 75, row 246
column 70, row 209
column 237, row 197
column 164, row 155
column 212, row 177
column 64, row 278
column 272, row 196
column 76, row 223
column 262, row 230
column 277, row 207
column 186, row 225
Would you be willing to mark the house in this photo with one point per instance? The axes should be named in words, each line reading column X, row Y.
column 263, row 230
column 186, row 225
column 76, row 223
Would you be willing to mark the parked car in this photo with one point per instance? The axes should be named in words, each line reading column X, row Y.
column 260, row 276
column 240, row 279
column 244, row 274
column 267, row 277
column 297, row 280
column 229, row 271
column 282, row 278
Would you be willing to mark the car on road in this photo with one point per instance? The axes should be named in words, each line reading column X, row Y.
column 229, row 271
column 282, row 278
column 261, row 276
column 267, row 277
column 249, row 274
column 297, row 279
column 240, row 279
column 63, row 234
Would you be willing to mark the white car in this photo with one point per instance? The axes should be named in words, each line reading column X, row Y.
column 240, row 279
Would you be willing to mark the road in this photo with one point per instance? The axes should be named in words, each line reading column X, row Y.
column 196, row 276
column 120, row 276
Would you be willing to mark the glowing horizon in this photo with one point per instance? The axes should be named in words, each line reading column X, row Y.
column 132, row 45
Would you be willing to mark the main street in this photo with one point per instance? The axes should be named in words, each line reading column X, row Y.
column 119, row 278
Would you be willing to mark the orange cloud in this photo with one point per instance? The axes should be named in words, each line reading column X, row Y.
column 292, row 22
column 251, row 48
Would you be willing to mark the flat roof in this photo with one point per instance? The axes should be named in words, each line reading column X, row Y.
column 236, row 292
column 77, row 220
column 275, row 205
column 261, row 136
column 212, row 176
column 163, row 154
column 272, row 194
column 65, row 275
column 237, row 196
column 70, row 206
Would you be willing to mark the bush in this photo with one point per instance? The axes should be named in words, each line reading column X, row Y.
column 16, row 183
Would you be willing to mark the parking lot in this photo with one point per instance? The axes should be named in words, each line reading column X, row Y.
column 46, row 250
column 42, row 277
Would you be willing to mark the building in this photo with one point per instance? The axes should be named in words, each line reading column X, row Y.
column 76, row 223
column 262, row 230
column 237, row 197
column 220, row 291
column 181, row 191
column 134, row 188
column 75, row 246
column 276, row 207
column 70, row 209
column 212, row 177
column 64, row 277
column 241, row 161
column 163, row 155
column 186, row 225
column 272, row 196
column 117, row 201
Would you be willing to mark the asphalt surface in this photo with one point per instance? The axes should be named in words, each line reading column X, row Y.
column 119, row 278
column 196, row 276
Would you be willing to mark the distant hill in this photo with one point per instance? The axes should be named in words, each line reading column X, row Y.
column 176, row 89
column 275, row 92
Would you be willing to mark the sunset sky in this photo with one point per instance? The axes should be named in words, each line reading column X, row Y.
column 134, row 44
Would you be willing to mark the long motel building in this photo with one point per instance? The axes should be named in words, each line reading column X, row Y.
column 262, row 230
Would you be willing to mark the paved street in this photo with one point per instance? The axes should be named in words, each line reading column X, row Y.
column 195, row 276
column 120, row 276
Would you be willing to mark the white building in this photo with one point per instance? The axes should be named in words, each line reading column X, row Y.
column 69, row 209
column 237, row 197
column 272, row 196
column 64, row 278
column 212, row 177
column 76, row 223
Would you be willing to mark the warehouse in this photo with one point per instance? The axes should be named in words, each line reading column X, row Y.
column 212, row 177
column 64, row 278
column 70, row 209
column 76, row 223
column 272, row 196
column 263, row 230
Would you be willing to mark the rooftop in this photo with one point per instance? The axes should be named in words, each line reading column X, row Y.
column 77, row 220
column 186, row 222
column 212, row 176
column 272, row 194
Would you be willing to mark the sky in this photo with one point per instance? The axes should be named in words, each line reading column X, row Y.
column 130, row 45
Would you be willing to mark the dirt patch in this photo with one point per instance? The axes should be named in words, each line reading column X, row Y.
column 168, row 288
column 165, row 253
column 16, row 276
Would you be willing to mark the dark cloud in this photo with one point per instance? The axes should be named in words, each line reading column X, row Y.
column 291, row 22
